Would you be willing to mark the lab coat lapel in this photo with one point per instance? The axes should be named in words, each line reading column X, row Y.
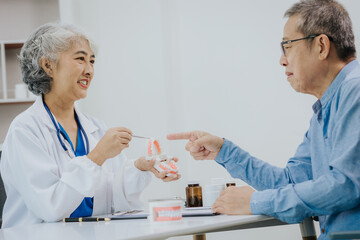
column 101, row 198
column 89, row 127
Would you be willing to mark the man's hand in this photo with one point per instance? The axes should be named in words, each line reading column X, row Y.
column 201, row 145
column 148, row 165
column 234, row 201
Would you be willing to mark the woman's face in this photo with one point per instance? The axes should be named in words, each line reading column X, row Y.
column 73, row 72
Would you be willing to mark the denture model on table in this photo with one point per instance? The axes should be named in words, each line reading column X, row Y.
column 163, row 161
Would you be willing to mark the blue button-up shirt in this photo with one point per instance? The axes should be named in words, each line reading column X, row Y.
column 323, row 177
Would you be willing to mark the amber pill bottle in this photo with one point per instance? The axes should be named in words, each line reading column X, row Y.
column 194, row 195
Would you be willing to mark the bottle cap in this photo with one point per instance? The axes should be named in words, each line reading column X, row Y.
column 228, row 184
column 194, row 181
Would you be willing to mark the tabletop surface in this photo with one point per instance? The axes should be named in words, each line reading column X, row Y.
column 132, row 229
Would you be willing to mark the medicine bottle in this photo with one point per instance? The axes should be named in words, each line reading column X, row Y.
column 194, row 194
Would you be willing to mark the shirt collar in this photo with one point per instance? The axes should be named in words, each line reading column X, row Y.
column 325, row 99
column 317, row 109
column 337, row 81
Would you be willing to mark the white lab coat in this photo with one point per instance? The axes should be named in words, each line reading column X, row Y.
column 42, row 182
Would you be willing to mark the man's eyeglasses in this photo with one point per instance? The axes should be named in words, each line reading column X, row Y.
column 295, row 40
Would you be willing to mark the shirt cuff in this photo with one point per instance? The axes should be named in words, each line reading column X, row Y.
column 82, row 174
column 224, row 151
column 261, row 202
column 84, row 161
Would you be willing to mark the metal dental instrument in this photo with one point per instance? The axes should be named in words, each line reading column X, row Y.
column 135, row 136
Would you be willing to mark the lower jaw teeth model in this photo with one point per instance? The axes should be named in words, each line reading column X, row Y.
column 163, row 161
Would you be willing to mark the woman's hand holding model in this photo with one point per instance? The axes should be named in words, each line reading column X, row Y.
column 114, row 142
column 148, row 165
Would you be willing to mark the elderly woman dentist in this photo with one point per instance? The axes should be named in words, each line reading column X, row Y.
column 58, row 162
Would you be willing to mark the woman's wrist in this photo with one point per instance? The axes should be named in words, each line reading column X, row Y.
column 96, row 157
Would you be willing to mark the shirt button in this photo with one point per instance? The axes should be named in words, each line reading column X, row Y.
column 323, row 230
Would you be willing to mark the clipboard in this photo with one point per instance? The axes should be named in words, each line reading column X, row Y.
column 198, row 212
column 142, row 214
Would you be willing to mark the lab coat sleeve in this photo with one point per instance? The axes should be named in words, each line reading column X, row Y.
column 49, row 194
column 129, row 182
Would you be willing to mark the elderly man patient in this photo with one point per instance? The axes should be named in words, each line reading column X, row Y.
column 323, row 177
column 58, row 162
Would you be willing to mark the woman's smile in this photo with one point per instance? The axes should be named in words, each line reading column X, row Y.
column 83, row 83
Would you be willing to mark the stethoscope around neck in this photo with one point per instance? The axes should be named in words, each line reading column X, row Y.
column 59, row 132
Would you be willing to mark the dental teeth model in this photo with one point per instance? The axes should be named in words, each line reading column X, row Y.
column 163, row 161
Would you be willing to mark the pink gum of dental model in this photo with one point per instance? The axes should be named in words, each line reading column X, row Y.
column 163, row 161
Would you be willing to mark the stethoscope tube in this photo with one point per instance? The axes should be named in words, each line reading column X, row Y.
column 58, row 131
column 83, row 132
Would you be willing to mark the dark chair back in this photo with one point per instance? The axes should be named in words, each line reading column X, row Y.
column 2, row 196
column 345, row 235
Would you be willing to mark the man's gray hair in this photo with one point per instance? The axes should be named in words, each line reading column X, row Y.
column 326, row 17
column 46, row 41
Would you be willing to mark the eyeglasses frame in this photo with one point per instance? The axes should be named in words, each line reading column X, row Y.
column 295, row 40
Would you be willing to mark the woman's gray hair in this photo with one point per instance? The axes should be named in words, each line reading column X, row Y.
column 46, row 41
column 326, row 17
